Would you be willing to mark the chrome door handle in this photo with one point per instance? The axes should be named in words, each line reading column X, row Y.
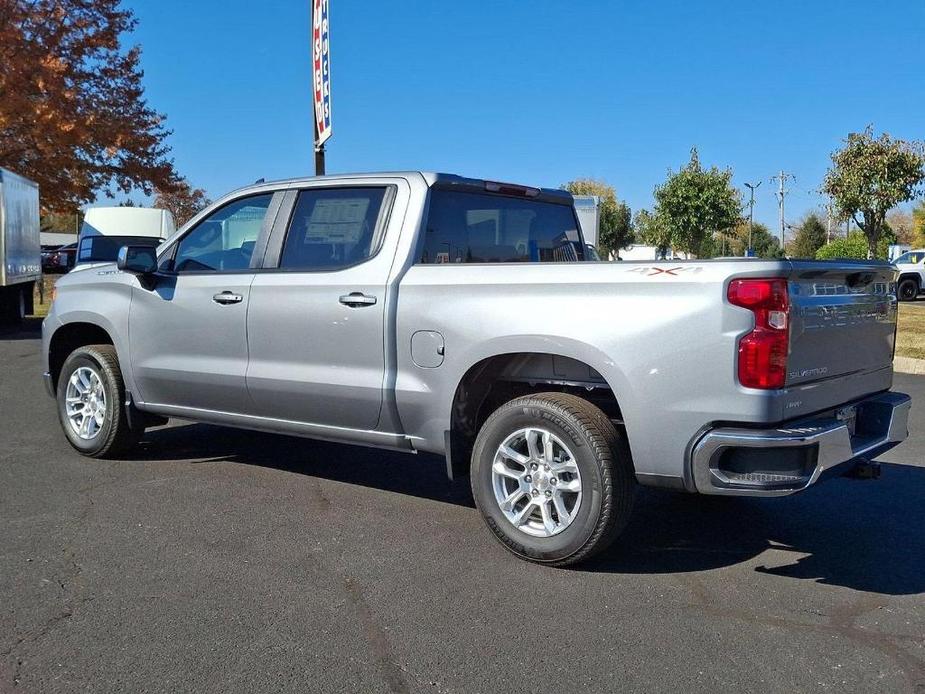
column 357, row 299
column 227, row 297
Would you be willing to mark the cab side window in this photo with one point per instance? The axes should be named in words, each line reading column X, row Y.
column 333, row 228
column 224, row 241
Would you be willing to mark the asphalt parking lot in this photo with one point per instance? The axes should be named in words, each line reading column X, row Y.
column 224, row 560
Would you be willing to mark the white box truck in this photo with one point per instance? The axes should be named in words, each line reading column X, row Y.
column 20, row 245
column 588, row 209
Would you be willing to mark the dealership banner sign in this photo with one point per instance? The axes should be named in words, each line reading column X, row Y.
column 321, row 71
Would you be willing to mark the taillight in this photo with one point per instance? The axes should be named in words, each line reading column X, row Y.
column 763, row 351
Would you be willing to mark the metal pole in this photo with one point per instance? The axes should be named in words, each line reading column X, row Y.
column 319, row 161
column 751, row 211
column 781, row 194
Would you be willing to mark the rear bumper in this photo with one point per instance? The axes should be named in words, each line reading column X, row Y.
column 788, row 459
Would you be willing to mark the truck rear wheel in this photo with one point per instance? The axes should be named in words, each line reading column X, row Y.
column 12, row 304
column 91, row 403
column 552, row 478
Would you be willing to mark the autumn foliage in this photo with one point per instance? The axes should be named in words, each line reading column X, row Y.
column 183, row 201
column 73, row 116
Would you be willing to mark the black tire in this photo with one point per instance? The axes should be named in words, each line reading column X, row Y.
column 608, row 481
column 13, row 305
column 115, row 435
column 908, row 289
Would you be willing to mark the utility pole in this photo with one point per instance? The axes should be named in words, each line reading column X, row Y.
column 781, row 193
column 751, row 213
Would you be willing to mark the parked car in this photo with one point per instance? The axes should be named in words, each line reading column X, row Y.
column 430, row 312
column 49, row 260
column 61, row 259
column 911, row 266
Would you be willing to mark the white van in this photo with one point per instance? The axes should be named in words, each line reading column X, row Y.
column 106, row 229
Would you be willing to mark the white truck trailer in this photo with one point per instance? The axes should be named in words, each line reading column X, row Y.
column 588, row 209
column 20, row 246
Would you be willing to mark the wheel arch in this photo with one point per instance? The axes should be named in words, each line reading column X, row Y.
column 496, row 378
column 70, row 336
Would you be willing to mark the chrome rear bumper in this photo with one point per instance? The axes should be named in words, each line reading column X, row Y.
column 734, row 461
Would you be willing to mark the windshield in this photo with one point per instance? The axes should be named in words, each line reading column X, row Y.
column 105, row 249
column 909, row 258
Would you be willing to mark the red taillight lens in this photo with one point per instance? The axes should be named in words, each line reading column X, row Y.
column 763, row 352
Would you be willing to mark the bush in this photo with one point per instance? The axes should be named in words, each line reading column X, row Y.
column 854, row 247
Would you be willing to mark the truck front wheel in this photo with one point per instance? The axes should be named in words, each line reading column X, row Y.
column 908, row 289
column 91, row 403
column 552, row 478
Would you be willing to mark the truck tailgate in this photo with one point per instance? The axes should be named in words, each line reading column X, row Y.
column 842, row 319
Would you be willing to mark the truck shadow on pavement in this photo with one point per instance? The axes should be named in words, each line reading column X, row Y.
column 422, row 475
column 864, row 535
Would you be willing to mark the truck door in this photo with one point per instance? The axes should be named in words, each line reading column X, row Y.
column 188, row 327
column 317, row 323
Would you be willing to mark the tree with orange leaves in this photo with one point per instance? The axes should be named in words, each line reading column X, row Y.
column 73, row 116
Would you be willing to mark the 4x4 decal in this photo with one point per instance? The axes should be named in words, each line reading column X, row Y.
column 674, row 271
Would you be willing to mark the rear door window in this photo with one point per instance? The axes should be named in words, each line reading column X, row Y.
column 464, row 227
column 333, row 228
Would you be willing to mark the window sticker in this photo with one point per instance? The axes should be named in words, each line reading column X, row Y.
column 337, row 220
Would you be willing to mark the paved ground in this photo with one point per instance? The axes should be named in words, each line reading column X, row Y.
column 220, row 560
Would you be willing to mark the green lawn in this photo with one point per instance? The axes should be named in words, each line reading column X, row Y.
column 910, row 337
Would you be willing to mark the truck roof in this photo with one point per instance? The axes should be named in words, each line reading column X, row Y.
column 433, row 179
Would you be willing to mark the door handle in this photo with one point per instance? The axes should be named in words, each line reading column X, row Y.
column 227, row 297
column 357, row 299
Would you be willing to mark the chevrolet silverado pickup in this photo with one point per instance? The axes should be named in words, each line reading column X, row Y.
column 430, row 312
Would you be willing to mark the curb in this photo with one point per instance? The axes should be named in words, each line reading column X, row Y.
column 908, row 365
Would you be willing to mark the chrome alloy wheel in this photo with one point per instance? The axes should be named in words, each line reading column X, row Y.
column 536, row 482
column 85, row 403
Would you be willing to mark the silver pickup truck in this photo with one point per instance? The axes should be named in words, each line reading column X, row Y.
column 430, row 312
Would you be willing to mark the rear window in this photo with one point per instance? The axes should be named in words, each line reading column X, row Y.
column 105, row 249
column 480, row 228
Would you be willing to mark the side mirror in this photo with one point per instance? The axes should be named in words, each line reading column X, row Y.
column 138, row 260
column 591, row 252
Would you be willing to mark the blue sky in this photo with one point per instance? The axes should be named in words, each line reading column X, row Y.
column 536, row 92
